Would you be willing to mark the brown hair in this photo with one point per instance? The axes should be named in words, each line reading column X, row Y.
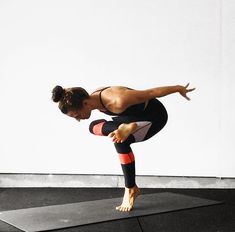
column 70, row 98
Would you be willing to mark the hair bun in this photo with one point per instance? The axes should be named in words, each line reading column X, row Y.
column 57, row 93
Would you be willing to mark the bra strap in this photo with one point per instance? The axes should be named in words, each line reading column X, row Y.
column 101, row 97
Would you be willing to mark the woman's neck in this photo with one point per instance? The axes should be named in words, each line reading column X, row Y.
column 95, row 103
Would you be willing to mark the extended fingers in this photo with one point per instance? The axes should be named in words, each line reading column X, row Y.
column 187, row 98
column 190, row 90
column 186, row 86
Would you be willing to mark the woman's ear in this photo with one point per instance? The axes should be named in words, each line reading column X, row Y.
column 85, row 103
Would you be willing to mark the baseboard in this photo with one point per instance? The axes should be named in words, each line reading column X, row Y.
column 110, row 181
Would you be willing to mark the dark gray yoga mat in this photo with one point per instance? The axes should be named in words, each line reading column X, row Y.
column 82, row 213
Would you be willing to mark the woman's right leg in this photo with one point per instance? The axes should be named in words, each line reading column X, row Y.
column 104, row 128
column 127, row 160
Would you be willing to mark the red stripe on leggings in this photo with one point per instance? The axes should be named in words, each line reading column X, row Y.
column 97, row 129
column 127, row 158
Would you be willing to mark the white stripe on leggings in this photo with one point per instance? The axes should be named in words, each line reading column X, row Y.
column 141, row 130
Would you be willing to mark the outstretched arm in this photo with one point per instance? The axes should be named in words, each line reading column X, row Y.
column 131, row 97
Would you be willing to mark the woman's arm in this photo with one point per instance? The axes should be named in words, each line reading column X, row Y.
column 130, row 97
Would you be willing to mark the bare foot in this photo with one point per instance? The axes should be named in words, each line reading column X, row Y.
column 129, row 198
column 123, row 131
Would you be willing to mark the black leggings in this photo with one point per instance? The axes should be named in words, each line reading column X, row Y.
column 149, row 124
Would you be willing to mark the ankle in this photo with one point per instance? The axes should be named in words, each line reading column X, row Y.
column 133, row 125
column 131, row 189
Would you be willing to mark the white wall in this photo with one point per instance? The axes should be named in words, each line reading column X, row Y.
column 227, row 92
column 140, row 44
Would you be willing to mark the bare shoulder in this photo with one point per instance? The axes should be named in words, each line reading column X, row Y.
column 126, row 97
column 114, row 97
column 119, row 93
column 118, row 89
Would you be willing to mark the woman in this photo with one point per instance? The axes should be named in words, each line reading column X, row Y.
column 138, row 115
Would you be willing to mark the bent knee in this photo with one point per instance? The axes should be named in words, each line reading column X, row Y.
column 96, row 126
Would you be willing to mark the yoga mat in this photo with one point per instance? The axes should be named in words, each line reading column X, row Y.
column 88, row 212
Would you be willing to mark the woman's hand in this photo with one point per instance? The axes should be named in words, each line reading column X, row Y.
column 183, row 90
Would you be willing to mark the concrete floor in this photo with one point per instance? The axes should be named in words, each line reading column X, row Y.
column 217, row 218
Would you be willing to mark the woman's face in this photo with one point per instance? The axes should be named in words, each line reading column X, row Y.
column 83, row 113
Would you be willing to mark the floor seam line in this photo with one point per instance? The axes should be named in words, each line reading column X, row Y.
column 139, row 224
